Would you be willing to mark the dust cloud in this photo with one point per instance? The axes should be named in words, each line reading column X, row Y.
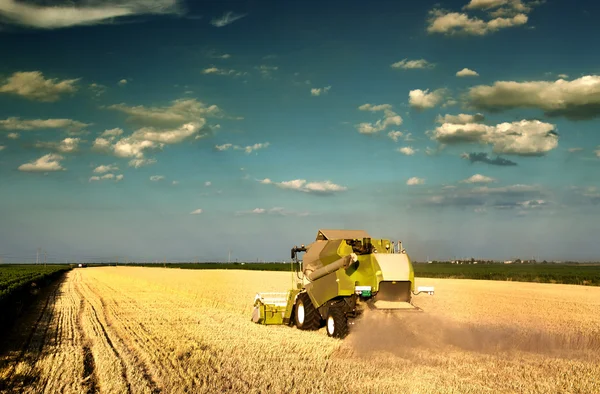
column 403, row 334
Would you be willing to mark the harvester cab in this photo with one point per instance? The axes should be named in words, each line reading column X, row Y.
column 341, row 274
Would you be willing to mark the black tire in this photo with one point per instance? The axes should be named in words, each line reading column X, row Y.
column 311, row 320
column 337, row 323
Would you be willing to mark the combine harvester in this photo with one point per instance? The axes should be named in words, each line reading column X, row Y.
column 343, row 273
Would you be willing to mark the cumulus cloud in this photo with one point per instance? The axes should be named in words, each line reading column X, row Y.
column 478, row 178
column 460, row 118
column 484, row 158
column 415, row 181
column 156, row 178
column 574, row 150
column 122, row 82
column 137, row 163
column 577, row 99
column 2, row 147
column 395, row 135
column 272, row 211
column 222, row 71
column 524, row 138
column 226, row 19
column 407, row 150
column 180, row 111
column 112, row 133
column 196, row 212
column 106, row 168
column 129, row 147
column 13, row 136
column 97, row 89
column 15, row 123
column 68, row 145
column 207, row 183
column 46, row 163
column 423, row 99
column 319, row 91
column 597, row 152
column 89, row 13
column 33, row 86
column 116, row 178
column 101, row 145
column 454, row 23
column 167, row 136
column 465, row 72
column 406, row 64
column 390, row 118
column 324, row 187
column 248, row 149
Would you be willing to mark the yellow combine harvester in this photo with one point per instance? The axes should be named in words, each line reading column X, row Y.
column 342, row 273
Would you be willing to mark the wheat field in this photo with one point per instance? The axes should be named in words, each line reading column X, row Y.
column 155, row 330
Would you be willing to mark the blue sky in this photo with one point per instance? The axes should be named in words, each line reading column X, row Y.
column 153, row 129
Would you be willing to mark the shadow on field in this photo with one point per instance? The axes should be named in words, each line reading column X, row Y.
column 403, row 333
column 30, row 336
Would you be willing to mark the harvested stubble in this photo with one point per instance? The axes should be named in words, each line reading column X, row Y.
column 126, row 329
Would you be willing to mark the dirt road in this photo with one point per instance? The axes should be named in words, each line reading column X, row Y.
column 150, row 330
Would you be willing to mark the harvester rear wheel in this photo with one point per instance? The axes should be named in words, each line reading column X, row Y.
column 306, row 315
column 337, row 323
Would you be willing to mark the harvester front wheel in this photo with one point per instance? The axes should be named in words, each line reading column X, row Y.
column 337, row 323
column 306, row 315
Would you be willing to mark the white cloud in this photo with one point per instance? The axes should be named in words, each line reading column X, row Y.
column 390, row 118
column 33, row 86
column 112, row 133
column 423, row 99
column 12, row 136
column 272, row 211
column 97, row 89
column 68, row 145
column 395, row 135
column 319, row 91
column 223, row 71
column 227, row 18
column 128, row 147
column 107, row 176
column 137, row 163
column 119, row 177
column 324, row 187
column 574, row 150
column 406, row 150
column 196, row 212
column 478, row 178
column 563, row 76
column 248, row 149
column 207, row 183
column 53, row 16
column 101, row 145
column 175, row 183
column 465, row 72
column 576, row 99
column 223, row 147
column 2, row 147
column 524, row 138
column 406, row 64
column 251, row 148
column 597, row 152
column 156, row 178
column 451, row 23
column 46, row 163
column 532, row 204
column 37, row 124
column 179, row 112
column 122, row 82
column 94, row 179
column 167, row 136
column 415, row 181
column 103, row 169
column 460, row 118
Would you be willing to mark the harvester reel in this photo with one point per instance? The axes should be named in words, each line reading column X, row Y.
column 306, row 315
column 337, row 323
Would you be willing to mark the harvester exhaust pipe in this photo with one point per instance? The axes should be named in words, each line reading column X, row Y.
column 343, row 262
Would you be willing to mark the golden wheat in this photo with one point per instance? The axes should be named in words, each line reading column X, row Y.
column 145, row 330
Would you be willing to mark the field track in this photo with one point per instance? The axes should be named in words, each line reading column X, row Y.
column 151, row 330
